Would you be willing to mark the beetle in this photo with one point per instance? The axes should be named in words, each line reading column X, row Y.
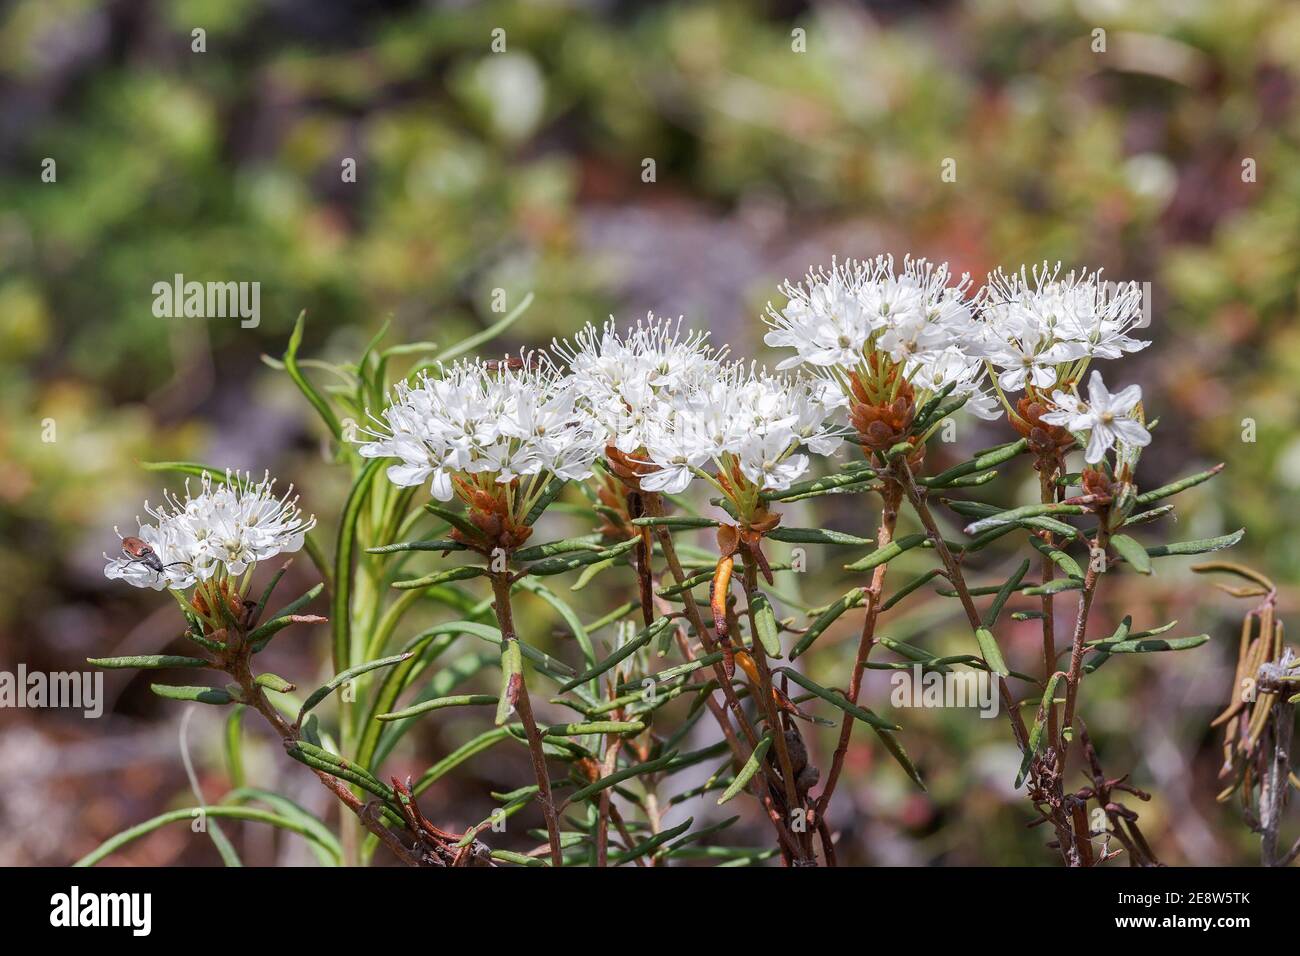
column 139, row 550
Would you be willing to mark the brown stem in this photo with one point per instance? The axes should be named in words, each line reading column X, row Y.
column 768, row 704
column 1075, row 675
column 238, row 666
column 505, row 620
column 916, row 498
column 1275, row 782
column 612, row 746
column 1047, row 472
column 653, row 505
column 891, row 494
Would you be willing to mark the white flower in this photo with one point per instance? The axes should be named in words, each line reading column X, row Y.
column 1109, row 418
column 964, row 372
column 226, row 528
column 743, row 419
column 827, row 320
column 836, row 318
column 1034, row 322
column 486, row 419
column 623, row 381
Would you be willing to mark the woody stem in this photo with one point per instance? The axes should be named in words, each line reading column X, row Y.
column 505, row 620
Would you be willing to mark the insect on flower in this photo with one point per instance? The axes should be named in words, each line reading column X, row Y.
column 139, row 551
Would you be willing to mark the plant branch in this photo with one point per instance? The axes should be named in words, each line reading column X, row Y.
column 505, row 620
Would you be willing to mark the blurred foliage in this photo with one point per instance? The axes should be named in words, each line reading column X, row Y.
column 479, row 170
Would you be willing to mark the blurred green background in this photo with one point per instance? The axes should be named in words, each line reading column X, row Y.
column 522, row 171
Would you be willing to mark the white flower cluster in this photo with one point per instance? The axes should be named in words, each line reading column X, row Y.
column 1026, row 325
column 669, row 400
column 489, row 419
column 627, row 383
column 227, row 527
column 1035, row 323
column 746, row 418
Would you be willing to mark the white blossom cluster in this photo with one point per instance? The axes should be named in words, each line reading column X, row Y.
column 627, row 383
column 227, row 527
column 1033, row 323
column 918, row 318
column 1029, row 329
column 744, row 417
column 672, row 403
column 488, row 419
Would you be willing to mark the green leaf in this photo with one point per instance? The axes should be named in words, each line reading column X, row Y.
column 544, row 501
column 837, row 699
column 613, row 660
column 233, row 744
column 990, row 651
column 594, row 727
column 895, row 748
column 1028, row 511
column 887, row 553
column 512, row 669
column 1005, row 592
column 1199, row 546
column 561, row 564
column 326, row 847
column 586, row 542
column 461, row 573
column 435, row 544
column 751, row 767
column 341, row 599
column 276, row 683
column 817, row 536
column 115, row 843
column 618, row 776
column 438, row 703
column 674, row 521
column 341, row 678
column 458, row 756
column 853, row 477
column 1182, row 484
column 765, row 624
column 851, row 599
column 926, row 412
column 469, row 344
column 201, row 695
column 148, row 661
column 317, row 401
column 1132, row 552
column 910, row 586
column 1040, row 723
column 647, row 846
column 1057, row 556
column 982, row 462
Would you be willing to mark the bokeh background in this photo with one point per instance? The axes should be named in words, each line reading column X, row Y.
column 522, row 171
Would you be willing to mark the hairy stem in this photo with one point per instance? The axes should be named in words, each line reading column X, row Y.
column 1096, row 567
column 767, row 704
column 238, row 666
column 505, row 620
column 916, row 498
column 891, row 496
